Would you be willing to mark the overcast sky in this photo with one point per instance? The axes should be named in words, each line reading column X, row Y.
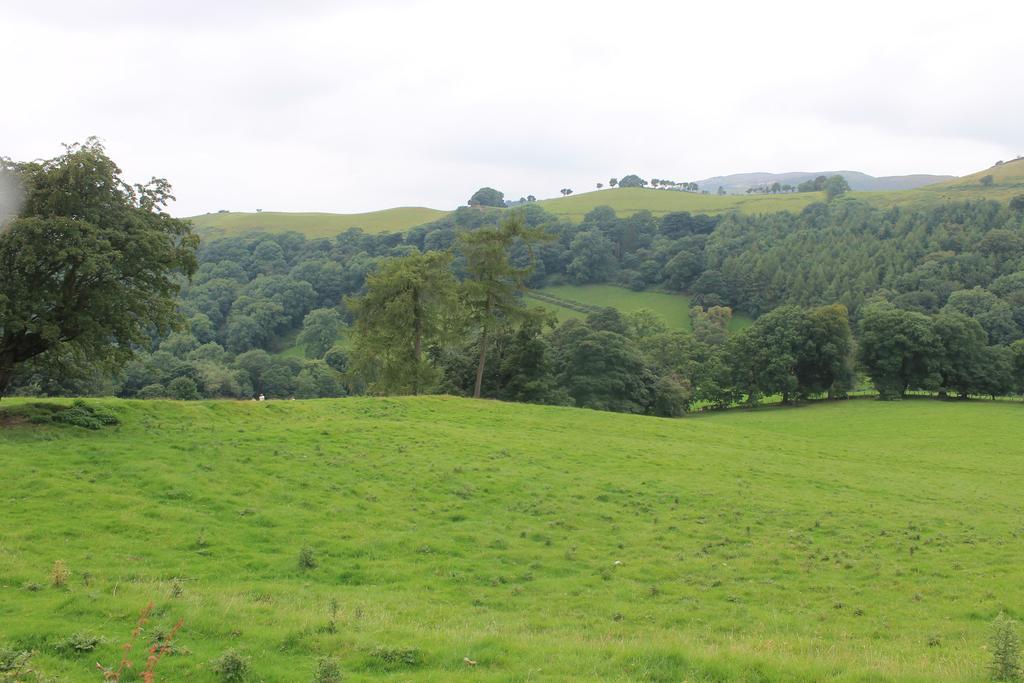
column 354, row 106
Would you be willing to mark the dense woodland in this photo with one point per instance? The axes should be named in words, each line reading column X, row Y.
column 844, row 293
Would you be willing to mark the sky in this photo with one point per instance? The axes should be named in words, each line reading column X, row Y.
column 355, row 106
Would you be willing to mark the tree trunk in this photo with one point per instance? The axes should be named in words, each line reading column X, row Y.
column 417, row 348
column 483, row 347
column 480, row 363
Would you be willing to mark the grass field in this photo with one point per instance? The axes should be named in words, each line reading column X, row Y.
column 673, row 308
column 312, row 225
column 855, row 541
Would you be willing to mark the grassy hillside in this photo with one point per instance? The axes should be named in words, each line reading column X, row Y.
column 629, row 200
column 315, row 224
column 1008, row 182
column 673, row 308
column 848, row 541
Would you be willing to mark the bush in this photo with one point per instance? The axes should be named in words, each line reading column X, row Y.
column 183, row 389
column 151, row 391
column 394, row 658
column 1005, row 646
column 15, row 664
column 307, row 560
column 77, row 643
column 231, row 666
column 82, row 415
column 327, row 671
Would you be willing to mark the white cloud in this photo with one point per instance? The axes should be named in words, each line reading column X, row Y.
column 364, row 105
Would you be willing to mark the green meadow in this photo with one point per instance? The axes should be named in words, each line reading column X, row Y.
column 847, row 541
column 213, row 225
column 672, row 308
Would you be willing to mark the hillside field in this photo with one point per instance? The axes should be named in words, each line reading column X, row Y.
column 673, row 308
column 1008, row 182
column 212, row 225
column 852, row 541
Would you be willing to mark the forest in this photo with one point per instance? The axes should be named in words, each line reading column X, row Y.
column 845, row 296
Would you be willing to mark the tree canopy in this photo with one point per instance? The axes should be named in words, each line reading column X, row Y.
column 91, row 265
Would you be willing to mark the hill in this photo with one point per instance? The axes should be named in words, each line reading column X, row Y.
column 844, row 541
column 739, row 183
column 314, row 224
column 885, row 191
column 629, row 200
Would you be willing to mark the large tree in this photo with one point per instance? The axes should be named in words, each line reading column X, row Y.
column 488, row 196
column 91, row 265
column 409, row 304
column 492, row 289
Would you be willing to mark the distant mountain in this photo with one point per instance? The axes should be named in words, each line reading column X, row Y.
column 738, row 183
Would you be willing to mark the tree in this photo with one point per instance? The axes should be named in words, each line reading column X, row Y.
column 632, row 180
column 721, row 191
column 898, row 350
column 1017, row 203
column 600, row 185
column 320, row 329
column 491, row 290
column 987, row 180
column 409, row 303
column 91, row 266
column 836, row 186
column 592, row 257
column 487, row 196
column 565, row 191
column 613, row 182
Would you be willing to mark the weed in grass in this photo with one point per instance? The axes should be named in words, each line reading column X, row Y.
column 1005, row 646
column 231, row 667
column 307, row 559
column 59, row 574
column 77, row 643
column 397, row 658
column 328, row 670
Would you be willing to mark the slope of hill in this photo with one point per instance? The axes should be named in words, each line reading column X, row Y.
column 673, row 309
column 739, row 183
column 629, row 200
column 315, row 224
column 841, row 541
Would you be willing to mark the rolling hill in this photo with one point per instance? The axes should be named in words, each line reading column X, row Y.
column 211, row 225
column 1008, row 182
column 845, row 541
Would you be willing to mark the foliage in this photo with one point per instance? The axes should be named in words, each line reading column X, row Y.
column 488, row 196
column 328, row 670
column 407, row 307
column 91, row 265
column 231, row 667
column 1005, row 648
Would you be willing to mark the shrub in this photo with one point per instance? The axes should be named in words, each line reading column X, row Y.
column 77, row 643
column 81, row 414
column 1005, row 646
column 151, row 391
column 15, row 664
column 183, row 389
column 393, row 658
column 307, row 560
column 231, row 666
column 327, row 671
